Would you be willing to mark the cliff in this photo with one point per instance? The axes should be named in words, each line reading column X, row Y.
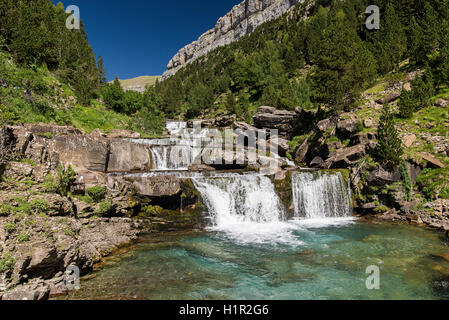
column 243, row 19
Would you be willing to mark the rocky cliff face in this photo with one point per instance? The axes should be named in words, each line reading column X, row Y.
column 243, row 19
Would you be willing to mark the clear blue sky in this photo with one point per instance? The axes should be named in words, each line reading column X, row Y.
column 139, row 37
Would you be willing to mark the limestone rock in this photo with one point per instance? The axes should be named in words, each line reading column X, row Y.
column 434, row 162
column 381, row 176
column 346, row 157
column 82, row 151
column 347, row 123
column 163, row 186
column 30, row 292
column 117, row 133
column 271, row 118
column 242, row 20
column 301, row 153
column 441, row 103
column 409, row 140
column 125, row 156
column 324, row 125
column 389, row 97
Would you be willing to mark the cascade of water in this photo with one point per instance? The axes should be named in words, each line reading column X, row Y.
column 318, row 195
column 240, row 199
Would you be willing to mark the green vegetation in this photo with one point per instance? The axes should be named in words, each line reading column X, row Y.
column 97, row 193
column 66, row 179
column 389, row 148
column 10, row 227
column 406, row 179
column 23, row 237
column 49, row 185
column 104, row 208
column 327, row 59
column 7, row 262
column 434, row 183
column 418, row 98
column 39, row 206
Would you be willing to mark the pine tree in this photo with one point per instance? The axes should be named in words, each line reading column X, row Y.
column 389, row 148
column 101, row 71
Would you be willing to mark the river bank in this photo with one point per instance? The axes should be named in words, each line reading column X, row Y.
column 72, row 199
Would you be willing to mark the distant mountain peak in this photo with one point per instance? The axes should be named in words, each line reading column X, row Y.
column 242, row 20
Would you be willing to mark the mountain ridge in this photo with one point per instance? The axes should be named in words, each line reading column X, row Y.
column 241, row 20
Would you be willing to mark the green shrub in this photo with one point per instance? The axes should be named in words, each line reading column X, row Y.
column 49, row 185
column 406, row 179
column 23, row 237
column 7, row 263
column 104, row 208
column 10, row 227
column 97, row 193
column 434, row 182
column 444, row 194
column 66, row 179
column 6, row 209
column 68, row 231
column 40, row 206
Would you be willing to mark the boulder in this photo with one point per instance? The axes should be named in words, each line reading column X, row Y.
column 301, row 152
column 117, row 133
column 324, row 125
column 317, row 162
column 347, row 124
column 225, row 121
column 162, row 186
column 200, row 168
column 281, row 145
column 441, row 103
column 82, row 151
column 407, row 86
column 125, row 156
column 392, row 96
column 409, row 140
column 32, row 292
column 368, row 123
column 433, row 162
column 346, row 157
column 382, row 176
column 271, row 118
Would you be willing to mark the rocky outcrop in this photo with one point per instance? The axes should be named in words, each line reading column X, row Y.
column 127, row 157
column 242, row 20
column 271, row 118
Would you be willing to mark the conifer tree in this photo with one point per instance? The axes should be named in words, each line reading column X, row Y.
column 389, row 148
column 101, row 71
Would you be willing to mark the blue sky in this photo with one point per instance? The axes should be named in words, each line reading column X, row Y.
column 139, row 37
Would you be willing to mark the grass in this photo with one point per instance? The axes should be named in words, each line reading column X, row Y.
column 140, row 81
column 50, row 101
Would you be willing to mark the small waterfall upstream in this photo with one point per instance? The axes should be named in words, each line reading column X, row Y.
column 321, row 195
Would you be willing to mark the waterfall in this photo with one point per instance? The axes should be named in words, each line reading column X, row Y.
column 238, row 199
column 319, row 195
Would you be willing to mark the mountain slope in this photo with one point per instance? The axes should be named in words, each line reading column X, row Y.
column 139, row 83
column 242, row 20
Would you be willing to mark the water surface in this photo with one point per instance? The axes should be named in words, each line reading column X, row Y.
column 313, row 259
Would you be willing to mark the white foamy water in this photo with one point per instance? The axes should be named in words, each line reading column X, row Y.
column 321, row 195
column 246, row 208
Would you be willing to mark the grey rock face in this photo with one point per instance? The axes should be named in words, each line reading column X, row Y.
column 242, row 20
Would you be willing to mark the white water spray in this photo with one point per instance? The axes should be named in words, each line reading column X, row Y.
column 321, row 195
